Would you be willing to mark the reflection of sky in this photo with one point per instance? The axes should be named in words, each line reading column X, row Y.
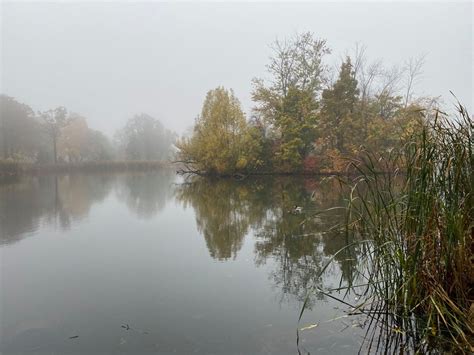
column 154, row 274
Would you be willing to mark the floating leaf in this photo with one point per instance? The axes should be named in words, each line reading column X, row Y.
column 308, row 327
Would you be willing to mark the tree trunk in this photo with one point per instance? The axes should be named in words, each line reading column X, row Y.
column 5, row 147
column 4, row 139
column 55, row 150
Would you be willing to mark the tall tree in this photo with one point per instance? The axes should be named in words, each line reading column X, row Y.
column 338, row 106
column 54, row 120
column 296, row 63
column 287, row 104
column 413, row 68
column 18, row 129
column 296, row 125
column 145, row 138
column 73, row 139
column 78, row 142
column 98, row 146
column 222, row 141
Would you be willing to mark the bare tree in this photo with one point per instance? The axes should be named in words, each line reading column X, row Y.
column 390, row 80
column 366, row 73
column 281, row 66
column 413, row 69
column 358, row 58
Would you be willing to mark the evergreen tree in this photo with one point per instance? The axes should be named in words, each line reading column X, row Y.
column 338, row 120
column 296, row 124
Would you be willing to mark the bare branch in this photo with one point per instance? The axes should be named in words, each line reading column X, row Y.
column 413, row 69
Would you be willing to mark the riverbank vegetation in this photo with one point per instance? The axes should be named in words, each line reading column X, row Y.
column 222, row 141
column 303, row 121
column 415, row 277
column 59, row 140
column 410, row 209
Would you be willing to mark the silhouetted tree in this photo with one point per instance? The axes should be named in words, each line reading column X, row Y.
column 54, row 120
column 18, row 129
column 145, row 138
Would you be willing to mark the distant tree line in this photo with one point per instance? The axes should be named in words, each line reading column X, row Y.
column 305, row 118
column 60, row 136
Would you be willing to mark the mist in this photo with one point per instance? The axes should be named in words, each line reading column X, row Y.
column 236, row 178
column 108, row 62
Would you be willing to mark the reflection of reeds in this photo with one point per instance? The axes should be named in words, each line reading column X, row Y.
column 9, row 167
column 417, row 266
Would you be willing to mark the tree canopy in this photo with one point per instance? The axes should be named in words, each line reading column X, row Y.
column 222, row 141
column 17, row 128
column 60, row 136
column 145, row 138
column 304, row 119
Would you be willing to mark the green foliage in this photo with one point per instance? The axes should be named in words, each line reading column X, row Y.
column 298, row 127
column 222, row 141
column 296, row 63
column 349, row 125
column 338, row 120
column 299, row 123
column 227, row 210
column 288, row 103
column 296, row 124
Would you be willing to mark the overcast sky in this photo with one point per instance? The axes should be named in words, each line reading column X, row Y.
column 108, row 61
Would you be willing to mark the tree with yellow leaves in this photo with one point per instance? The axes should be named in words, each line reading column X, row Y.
column 222, row 143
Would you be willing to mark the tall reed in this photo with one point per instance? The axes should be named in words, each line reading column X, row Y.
column 419, row 262
column 416, row 229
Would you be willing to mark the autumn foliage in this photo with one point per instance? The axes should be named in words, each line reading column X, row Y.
column 302, row 122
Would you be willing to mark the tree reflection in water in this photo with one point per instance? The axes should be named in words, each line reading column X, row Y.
column 300, row 244
column 146, row 194
column 57, row 200
column 225, row 210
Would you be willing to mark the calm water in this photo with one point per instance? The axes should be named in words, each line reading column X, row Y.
column 152, row 264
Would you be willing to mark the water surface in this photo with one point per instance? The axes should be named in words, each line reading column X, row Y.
column 149, row 263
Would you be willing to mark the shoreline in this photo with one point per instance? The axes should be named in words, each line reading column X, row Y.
column 241, row 176
column 11, row 168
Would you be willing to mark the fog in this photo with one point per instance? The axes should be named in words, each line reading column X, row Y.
column 110, row 61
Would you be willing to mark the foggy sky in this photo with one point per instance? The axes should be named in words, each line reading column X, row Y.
column 108, row 61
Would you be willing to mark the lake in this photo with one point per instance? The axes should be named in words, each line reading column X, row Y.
column 152, row 263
